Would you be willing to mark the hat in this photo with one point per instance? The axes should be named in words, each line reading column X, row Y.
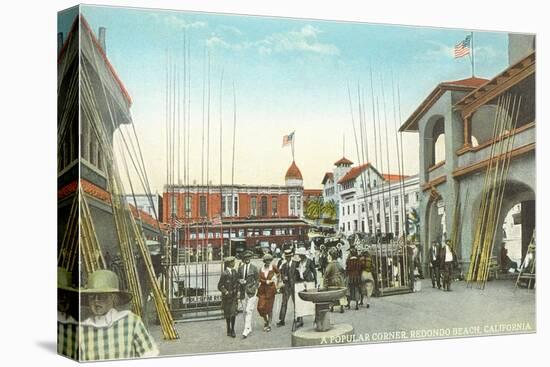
column 64, row 280
column 288, row 251
column 301, row 251
column 296, row 258
column 229, row 259
column 247, row 253
column 106, row 281
column 267, row 257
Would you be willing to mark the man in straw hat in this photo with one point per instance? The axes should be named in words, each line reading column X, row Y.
column 229, row 286
column 109, row 333
column 287, row 269
column 67, row 314
column 249, row 280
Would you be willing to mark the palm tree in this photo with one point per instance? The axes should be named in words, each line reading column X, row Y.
column 413, row 224
column 314, row 208
column 329, row 210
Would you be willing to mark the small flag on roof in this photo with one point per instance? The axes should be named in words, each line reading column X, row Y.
column 287, row 139
column 463, row 47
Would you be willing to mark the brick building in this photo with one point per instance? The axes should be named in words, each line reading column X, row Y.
column 255, row 214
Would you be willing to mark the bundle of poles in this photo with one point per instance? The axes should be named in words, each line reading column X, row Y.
column 178, row 125
column 385, row 253
column 129, row 232
column 505, row 122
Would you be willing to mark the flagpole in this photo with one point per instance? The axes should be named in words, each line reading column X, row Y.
column 472, row 55
column 292, row 145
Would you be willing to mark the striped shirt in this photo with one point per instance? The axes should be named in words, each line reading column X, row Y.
column 113, row 336
column 67, row 329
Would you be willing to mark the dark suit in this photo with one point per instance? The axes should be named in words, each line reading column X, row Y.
column 252, row 279
column 288, row 276
column 229, row 286
column 309, row 274
column 434, row 260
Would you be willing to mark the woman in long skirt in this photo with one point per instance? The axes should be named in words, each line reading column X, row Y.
column 267, row 290
column 354, row 270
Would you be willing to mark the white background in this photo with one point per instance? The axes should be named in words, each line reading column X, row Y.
column 28, row 181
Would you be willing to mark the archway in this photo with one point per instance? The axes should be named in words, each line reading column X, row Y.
column 517, row 214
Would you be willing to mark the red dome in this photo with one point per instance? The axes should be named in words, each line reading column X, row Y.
column 293, row 172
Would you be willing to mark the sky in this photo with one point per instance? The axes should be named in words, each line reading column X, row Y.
column 289, row 75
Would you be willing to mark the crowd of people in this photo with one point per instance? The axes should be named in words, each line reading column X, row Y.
column 252, row 289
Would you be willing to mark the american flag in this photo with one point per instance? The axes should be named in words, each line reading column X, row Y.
column 287, row 139
column 463, row 47
column 217, row 220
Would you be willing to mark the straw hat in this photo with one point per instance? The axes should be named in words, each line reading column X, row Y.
column 301, row 251
column 64, row 280
column 228, row 259
column 288, row 252
column 106, row 281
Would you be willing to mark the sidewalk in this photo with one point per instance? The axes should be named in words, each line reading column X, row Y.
column 462, row 312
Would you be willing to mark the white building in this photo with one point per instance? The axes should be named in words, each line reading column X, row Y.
column 378, row 207
column 331, row 188
column 144, row 204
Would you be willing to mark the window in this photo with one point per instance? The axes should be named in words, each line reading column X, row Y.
column 202, row 206
column 253, row 206
column 396, row 200
column 377, row 217
column 416, row 196
column 274, row 207
column 396, row 225
column 355, row 225
column 263, row 206
column 387, row 223
column 348, row 209
column 370, row 225
column 188, row 205
column 353, row 208
column 370, row 205
column 362, row 226
column 362, row 208
column 235, row 206
column 386, row 203
column 406, row 199
column 266, row 232
column 349, row 226
column 378, row 205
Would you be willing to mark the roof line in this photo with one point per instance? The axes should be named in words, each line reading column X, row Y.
column 101, row 51
column 430, row 100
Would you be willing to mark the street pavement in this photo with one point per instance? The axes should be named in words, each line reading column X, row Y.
column 422, row 315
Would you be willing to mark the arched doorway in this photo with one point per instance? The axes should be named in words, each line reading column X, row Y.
column 516, row 217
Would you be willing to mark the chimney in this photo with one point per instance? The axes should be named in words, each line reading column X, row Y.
column 102, row 31
column 59, row 42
